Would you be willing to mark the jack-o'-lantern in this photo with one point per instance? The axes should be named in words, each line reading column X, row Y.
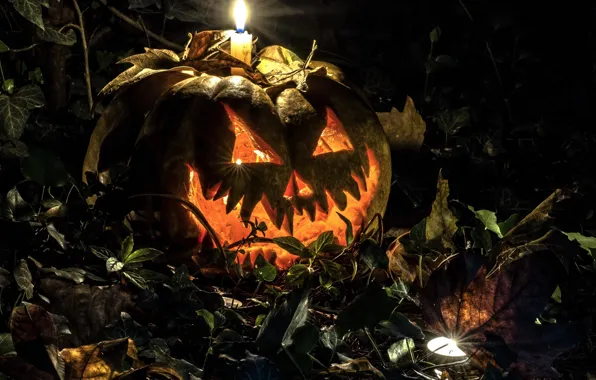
column 292, row 156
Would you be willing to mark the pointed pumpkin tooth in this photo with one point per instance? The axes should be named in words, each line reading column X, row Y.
column 249, row 203
column 351, row 187
column 321, row 200
column 279, row 217
column 311, row 210
column 234, row 196
column 290, row 218
column 340, row 199
column 221, row 191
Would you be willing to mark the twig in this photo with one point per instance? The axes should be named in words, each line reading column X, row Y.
column 81, row 29
column 132, row 22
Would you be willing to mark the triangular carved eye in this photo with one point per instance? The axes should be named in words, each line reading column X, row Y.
column 248, row 147
column 334, row 137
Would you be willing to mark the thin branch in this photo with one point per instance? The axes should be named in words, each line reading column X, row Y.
column 135, row 24
column 85, row 55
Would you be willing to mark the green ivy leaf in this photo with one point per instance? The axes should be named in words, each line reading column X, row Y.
column 23, row 278
column 508, row 224
column 324, row 239
column 260, row 319
column 305, row 338
column 126, row 247
column 208, row 317
column 264, row 271
column 3, row 47
column 349, row 229
column 6, row 345
column 290, row 244
column 400, row 350
column 140, row 255
column 50, row 34
column 14, row 109
column 435, row 34
column 373, row 255
column 113, row 265
column 488, row 219
column 334, row 269
column 101, row 252
column 297, row 275
column 481, row 238
column 44, row 168
column 30, row 10
column 588, row 243
column 136, row 279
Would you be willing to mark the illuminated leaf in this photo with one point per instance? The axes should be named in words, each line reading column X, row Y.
column 153, row 60
column 104, row 360
column 207, row 317
column 349, row 229
column 113, row 265
column 400, row 350
column 30, row 10
column 23, row 278
column 263, row 270
column 297, row 275
column 588, row 243
column 14, row 109
column 441, row 223
column 405, row 130
column 356, row 366
column 461, row 301
column 50, row 34
column 290, row 244
column 3, row 47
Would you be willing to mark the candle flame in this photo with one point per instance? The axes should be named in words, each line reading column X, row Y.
column 238, row 162
column 240, row 14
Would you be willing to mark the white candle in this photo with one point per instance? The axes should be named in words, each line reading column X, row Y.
column 241, row 42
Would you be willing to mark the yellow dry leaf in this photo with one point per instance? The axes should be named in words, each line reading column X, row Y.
column 441, row 223
column 405, row 130
column 101, row 361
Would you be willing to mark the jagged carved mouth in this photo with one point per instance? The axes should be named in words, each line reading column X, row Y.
column 300, row 215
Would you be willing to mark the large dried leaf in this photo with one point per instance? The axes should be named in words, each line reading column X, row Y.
column 143, row 65
column 461, row 302
column 23, row 278
column 405, row 130
column 356, row 366
column 88, row 308
column 533, row 233
column 280, row 66
column 441, row 223
column 205, row 42
column 103, row 360
column 35, row 338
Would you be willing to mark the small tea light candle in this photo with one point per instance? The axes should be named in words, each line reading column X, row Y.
column 241, row 41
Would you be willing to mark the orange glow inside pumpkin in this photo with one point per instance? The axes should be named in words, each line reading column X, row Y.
column 231, row 229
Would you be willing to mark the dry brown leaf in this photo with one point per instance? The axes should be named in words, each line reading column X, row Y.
column 532, row 233
column 201, row 43
column 151, row 371
column 493, row 319
column 88, row 308
column 153, row 60
column 331, row 70
column 398, row 263
column 405, row 130
column 35, row 338
column 356, row 366
column 100, row 361
column 441, row 223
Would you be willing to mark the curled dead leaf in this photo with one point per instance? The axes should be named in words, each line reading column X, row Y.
column 103, row 360
column 356, row 366
column 35, row 338
column 405, row 130
column 88, row 308
column 485, row 314
column 441, row 223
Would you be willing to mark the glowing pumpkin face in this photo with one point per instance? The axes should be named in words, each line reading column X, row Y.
column 294, row 160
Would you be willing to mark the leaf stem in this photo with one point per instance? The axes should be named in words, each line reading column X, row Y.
column 374, row 344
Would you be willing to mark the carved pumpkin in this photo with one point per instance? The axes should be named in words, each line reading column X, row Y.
column 239, row 151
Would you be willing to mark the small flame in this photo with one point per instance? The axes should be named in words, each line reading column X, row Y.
column 240, row 15
column 238, row 162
